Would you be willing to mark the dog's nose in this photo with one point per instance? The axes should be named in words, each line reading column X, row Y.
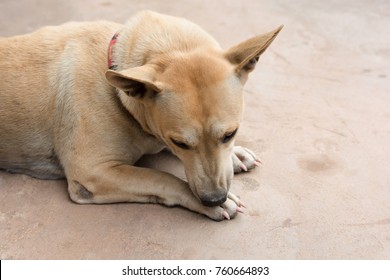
column 213, row 200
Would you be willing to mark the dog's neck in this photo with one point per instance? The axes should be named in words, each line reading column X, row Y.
column 134, row 107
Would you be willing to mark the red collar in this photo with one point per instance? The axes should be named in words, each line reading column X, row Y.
column 110, row 51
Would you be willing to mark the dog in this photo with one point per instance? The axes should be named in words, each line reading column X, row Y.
column 78, row 103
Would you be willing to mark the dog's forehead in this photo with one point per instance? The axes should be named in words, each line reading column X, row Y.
column 220, row 101
column 203, row 81
column 197, row 71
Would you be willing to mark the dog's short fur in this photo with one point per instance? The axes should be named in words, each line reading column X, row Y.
column 64, row 114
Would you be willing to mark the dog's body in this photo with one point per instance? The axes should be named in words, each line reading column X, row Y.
column 64, row 114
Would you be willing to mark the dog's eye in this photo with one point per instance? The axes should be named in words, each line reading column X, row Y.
column 228, row 136
column 181, row 145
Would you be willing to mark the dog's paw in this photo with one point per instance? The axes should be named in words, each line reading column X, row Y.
column 244, row 159
column 228, row 210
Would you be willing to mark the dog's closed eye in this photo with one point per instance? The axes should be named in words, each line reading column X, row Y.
column 181, row 145
column 229, row 136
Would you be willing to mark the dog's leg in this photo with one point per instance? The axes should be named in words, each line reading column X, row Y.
column 244, row 159
column 125, row 183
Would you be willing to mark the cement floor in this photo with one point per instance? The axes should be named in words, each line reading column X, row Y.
column 317, row 113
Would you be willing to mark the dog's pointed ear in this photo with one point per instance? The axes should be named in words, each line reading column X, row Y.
column 246, row 54
column 136, row 82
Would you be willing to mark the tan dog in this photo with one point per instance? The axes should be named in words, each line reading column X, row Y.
column 64, row 114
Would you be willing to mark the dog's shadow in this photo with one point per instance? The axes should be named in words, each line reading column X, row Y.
column 163, row 161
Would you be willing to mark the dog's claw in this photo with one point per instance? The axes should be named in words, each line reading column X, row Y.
column 226, row 215
column 243, row 167
column 239, row 209
column 242, row 205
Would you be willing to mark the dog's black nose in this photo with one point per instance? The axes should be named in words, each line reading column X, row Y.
column 213, row 200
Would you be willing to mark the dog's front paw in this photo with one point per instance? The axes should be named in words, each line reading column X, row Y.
column 244, row 159
column 227, row 210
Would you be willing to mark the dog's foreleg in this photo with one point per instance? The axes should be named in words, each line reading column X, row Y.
column 125, row 183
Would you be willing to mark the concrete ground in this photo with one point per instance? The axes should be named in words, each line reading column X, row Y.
column 317, row 113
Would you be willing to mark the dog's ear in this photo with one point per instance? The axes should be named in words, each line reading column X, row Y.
column 136, row 82
column 246, row 54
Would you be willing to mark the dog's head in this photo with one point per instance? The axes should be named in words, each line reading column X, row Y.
column 193, row 103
